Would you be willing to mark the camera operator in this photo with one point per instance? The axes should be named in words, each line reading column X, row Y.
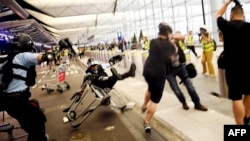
column 207, row 53
column 15, row 89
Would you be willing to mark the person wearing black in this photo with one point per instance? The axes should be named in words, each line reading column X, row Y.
column 101, row 78
column 236, row 59
column 160, row 53
column 122, row 45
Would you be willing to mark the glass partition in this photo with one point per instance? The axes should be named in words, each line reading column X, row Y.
column 133, row 16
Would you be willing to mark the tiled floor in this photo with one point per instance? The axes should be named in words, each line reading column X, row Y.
column 195, row 125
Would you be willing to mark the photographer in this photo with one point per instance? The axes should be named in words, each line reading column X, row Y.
column 207, row 53
column 236, row 58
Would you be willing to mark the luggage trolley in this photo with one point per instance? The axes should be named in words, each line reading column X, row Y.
column 8, row 128
column 101, row 97
column 61, row 83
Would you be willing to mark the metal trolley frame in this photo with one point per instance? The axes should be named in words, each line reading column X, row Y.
column 102, row 97
column 61, row 83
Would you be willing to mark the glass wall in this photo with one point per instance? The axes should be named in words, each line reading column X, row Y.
column 133, row 16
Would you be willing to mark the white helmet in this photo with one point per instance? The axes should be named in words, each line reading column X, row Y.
column 203, row 27
column 92, row 62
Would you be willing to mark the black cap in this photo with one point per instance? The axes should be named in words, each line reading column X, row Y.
column 164, row 29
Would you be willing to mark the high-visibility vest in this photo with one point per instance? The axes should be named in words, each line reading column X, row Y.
column 190, row 40
column 207, row 46
column 146, row 45
column 181, row 44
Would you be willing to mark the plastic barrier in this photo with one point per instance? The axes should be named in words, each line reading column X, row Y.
column 144, row 57
column 126, row 59
column 133, row 56
column 223, row 83
column 188, row 56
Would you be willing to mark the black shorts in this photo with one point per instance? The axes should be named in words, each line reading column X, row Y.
column 238, row 84
column 156, row 87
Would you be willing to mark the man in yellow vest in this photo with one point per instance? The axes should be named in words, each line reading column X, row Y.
column 146, row 42
column 182, row 45
column 190, row 43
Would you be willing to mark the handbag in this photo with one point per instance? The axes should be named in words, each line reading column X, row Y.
column 192, row 73
column 221, row 61
column 191, row 70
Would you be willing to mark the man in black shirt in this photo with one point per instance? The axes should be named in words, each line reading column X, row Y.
column 160, row 53
column 236, row 58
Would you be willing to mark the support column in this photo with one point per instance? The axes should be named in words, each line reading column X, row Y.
column 214, row 5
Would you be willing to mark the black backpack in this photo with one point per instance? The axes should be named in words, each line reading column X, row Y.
column 215, row 45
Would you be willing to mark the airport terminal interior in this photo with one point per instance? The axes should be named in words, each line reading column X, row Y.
column 97, row 29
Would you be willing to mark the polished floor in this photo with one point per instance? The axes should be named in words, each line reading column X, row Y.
column 190, row 124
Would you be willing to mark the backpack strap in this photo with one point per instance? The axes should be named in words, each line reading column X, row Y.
column 19, row 67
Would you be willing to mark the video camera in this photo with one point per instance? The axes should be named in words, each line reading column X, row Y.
column 66, row 44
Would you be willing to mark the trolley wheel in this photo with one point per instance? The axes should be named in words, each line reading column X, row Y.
column 71, row 115
column 49, row 90
column 59, row 89
column 67, row 85
column 106, row 100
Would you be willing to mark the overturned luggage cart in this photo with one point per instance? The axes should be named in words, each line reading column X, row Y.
column 61, row 83
column 76, row 115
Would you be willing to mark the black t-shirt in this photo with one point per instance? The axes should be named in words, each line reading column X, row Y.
column 236, row 42
column 236, row 53
column 100, row 71
column 159, row 53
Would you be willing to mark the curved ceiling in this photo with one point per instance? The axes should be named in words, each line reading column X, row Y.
column 47, row 21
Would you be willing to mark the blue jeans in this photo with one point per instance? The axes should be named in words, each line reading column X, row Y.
column 181, row 72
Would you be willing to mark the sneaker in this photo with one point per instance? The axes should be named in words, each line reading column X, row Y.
column 185, row 106
column 115, row 74
column 132, row 70
column 246, row 120
column 147, row 127
column 200, row 107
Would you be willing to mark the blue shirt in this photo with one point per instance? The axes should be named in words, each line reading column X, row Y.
column 26, row 59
